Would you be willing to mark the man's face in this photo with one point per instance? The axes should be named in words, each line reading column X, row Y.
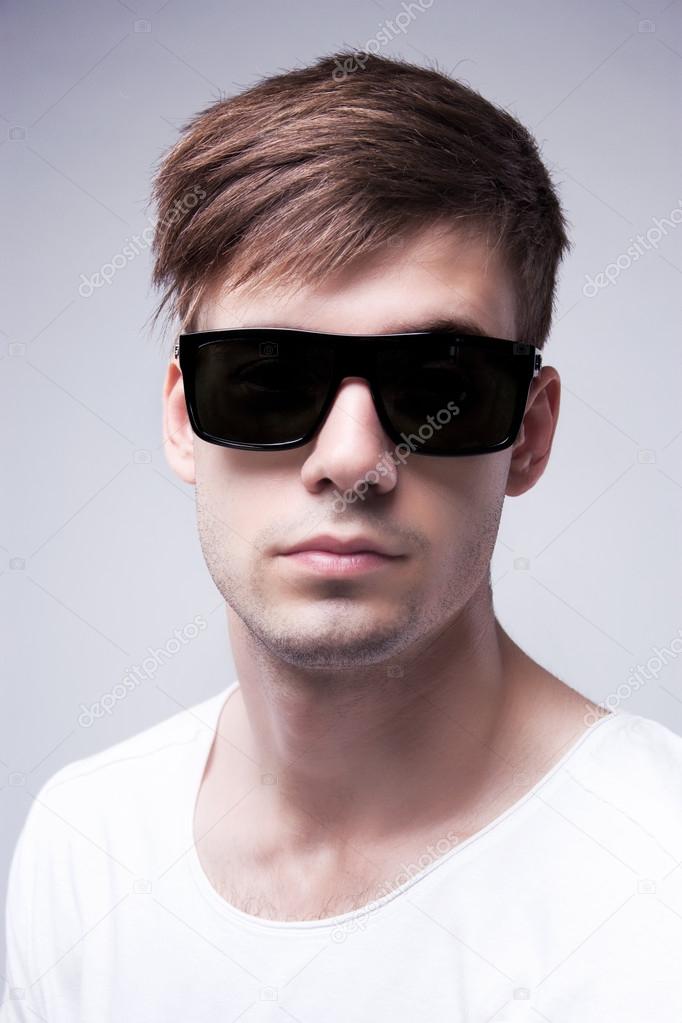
column 441, row 514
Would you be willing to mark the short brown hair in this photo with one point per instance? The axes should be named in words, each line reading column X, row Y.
column 309, row 168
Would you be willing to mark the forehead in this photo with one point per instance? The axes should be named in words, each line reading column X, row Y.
column 433, row 274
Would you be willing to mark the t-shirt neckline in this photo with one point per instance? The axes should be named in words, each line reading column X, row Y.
column 211, row 716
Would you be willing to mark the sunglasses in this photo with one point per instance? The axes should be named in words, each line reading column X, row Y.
column 270, row 388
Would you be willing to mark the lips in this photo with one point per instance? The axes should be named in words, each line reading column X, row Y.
column 342, row 545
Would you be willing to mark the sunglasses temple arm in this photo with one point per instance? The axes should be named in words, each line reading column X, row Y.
column 537, row 364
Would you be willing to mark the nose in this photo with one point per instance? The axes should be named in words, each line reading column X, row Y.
column 351, row 449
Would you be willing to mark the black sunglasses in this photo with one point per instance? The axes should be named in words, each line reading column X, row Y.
column 270, row 388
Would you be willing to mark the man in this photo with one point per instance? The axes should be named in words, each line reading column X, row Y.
column 394, row 812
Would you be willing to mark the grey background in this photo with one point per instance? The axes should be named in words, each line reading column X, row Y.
column 99, row 557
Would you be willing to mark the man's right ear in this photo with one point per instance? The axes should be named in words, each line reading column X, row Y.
column 177, row 429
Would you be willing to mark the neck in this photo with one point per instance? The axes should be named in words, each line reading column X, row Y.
column 361, row 752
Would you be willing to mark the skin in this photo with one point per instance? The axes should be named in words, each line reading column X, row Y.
column 389, row 710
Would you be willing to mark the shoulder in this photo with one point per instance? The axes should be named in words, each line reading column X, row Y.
column 140, row 759
column 630, row 770
column 121, row 795
column 645, row 751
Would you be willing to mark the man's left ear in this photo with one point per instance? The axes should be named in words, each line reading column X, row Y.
column 530, row 451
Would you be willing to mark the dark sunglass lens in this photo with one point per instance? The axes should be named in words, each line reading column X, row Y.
column 255, row 391
column 452, row 396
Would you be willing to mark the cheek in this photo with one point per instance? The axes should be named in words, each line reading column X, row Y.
column 443, row 494
column 457, row 506
column 241, row 501
column 217, row 491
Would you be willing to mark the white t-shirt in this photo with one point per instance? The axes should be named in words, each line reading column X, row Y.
column 567, row 907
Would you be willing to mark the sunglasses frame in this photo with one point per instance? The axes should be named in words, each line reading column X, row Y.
column 353, row 355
